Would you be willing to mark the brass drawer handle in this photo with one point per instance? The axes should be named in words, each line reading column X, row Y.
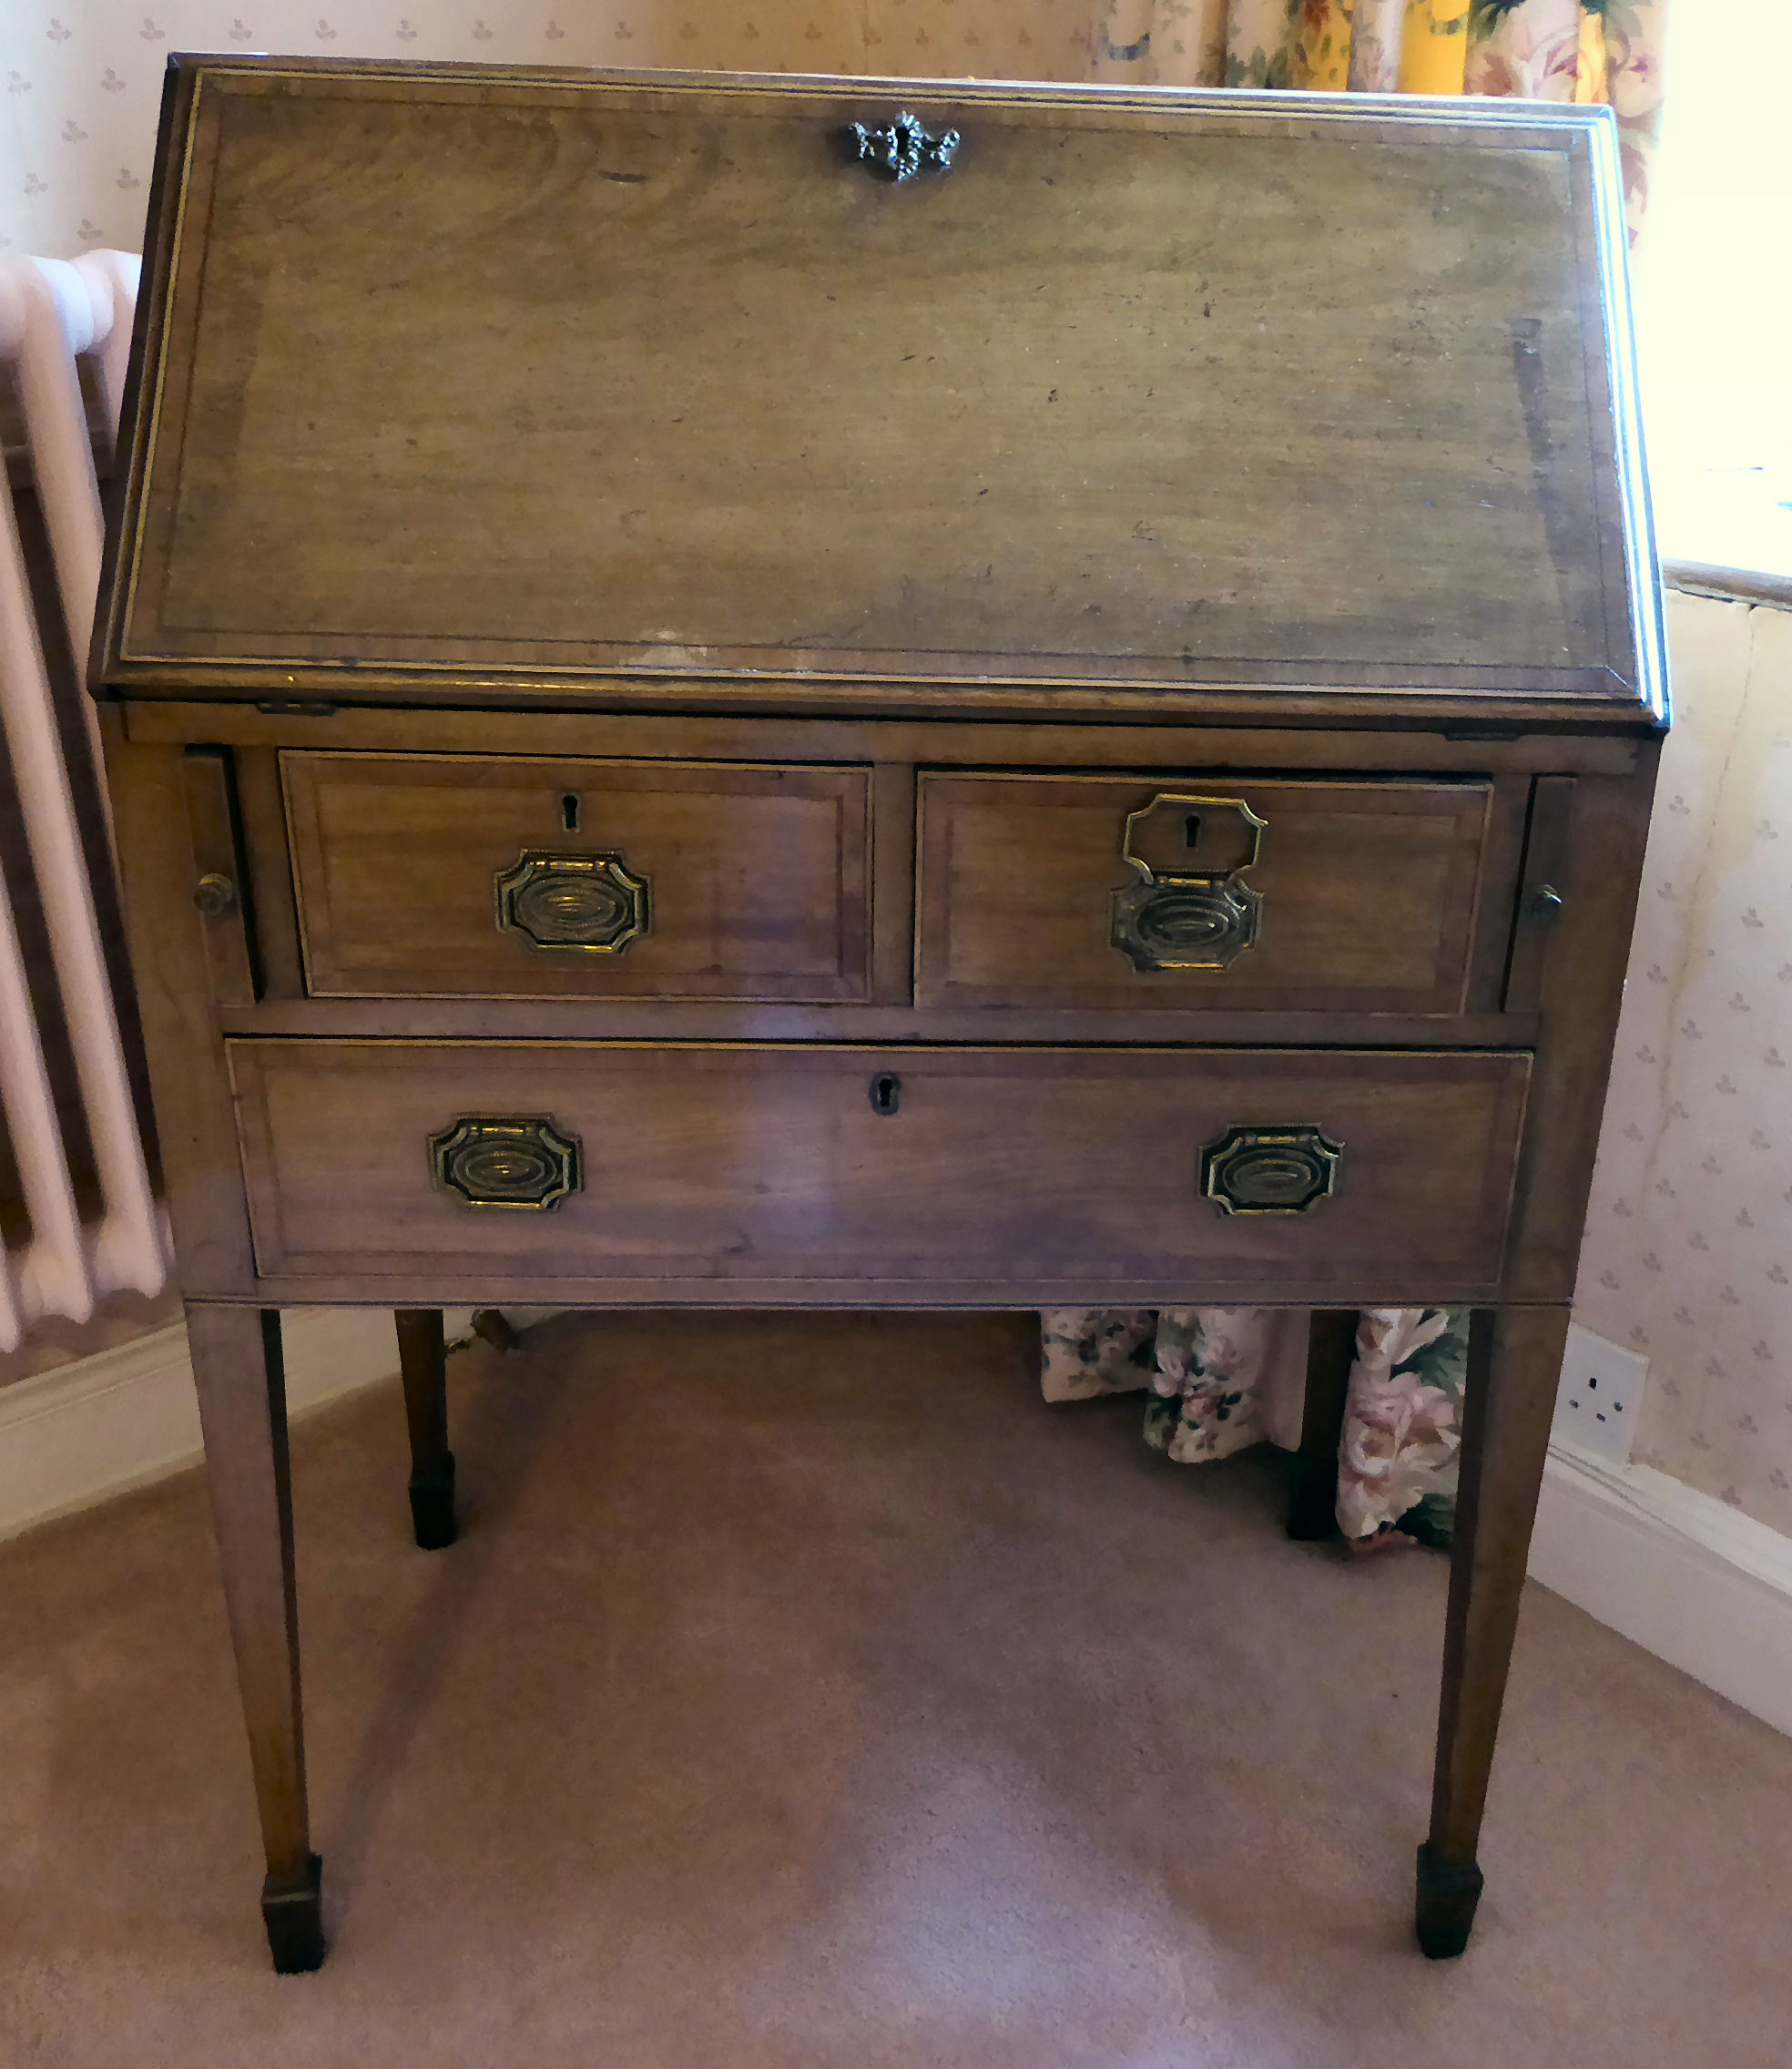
column 901, row 149
column 1185, row 926
column 1190, row 909
column 506, row 1160
column 572, row 904
column 1273, row 1170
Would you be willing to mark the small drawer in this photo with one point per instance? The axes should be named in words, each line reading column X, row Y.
column 440, row 876
column 831, row 1173
column 1279, row 896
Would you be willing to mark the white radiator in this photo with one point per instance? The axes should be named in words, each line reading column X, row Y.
column 51, row 314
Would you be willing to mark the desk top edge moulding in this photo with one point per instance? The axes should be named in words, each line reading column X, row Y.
column 739, row 692
column 1496, row 408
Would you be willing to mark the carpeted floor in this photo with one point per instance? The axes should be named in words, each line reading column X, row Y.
column 805, row 1692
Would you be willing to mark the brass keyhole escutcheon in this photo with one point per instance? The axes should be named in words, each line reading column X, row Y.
column 1190, row 908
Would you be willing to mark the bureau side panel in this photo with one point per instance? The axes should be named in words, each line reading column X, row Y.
column 195, row 1125
column 1582, row 984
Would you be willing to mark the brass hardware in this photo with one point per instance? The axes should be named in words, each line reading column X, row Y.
column 1185, row 926
column 578, row 904
column 1543, row 903
column 901, row 148
column 214, row 893
column 886, row 1092
column 503, row 1160
column 1275, row 1170
column 1176, row 917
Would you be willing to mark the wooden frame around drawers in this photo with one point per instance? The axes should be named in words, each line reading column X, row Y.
column 1584, row 796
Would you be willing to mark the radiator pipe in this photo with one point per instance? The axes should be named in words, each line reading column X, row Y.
column 48, row 315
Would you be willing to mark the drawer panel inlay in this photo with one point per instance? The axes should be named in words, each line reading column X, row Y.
column 1100, row 891
column 1017, row 1167
column 449, row 876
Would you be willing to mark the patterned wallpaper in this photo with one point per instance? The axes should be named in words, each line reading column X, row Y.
column 1689, row 1250
column 1688, row 1255
column 83, row 79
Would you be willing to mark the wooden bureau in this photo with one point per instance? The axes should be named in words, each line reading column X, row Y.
column 739, row 692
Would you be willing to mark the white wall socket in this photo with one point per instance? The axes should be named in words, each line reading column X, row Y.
column 1600, row 1397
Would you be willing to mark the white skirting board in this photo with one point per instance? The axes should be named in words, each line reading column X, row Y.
column 1687, row 1578
column 101, row 1425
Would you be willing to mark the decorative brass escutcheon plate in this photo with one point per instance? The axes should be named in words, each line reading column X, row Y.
column 1190, row 909
column 1272, row 1170
column 572, row 904
column 506, row 1160
column 901, row 149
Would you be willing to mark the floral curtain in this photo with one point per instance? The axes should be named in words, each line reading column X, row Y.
column 1219, row 1378
column 1565, row 50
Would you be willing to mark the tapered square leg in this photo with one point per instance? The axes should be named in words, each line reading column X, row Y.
column 1514, row 1367
column 424, row 1363
column 1331, row 1346
column 241, row 1386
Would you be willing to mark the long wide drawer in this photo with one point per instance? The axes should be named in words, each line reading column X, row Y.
column 841, row 1171
column 436, row 875
column 1321, row 895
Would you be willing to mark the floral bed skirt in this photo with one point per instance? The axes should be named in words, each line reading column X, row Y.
column 1219, row 1378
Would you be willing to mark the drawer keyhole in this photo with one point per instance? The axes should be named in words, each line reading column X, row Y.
column 886, row 1092
column 569, row 811
column 1191, row 831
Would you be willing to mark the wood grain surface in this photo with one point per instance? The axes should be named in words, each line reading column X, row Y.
column 758, row 877
column 1198, row 741
column 771, row 1163
column 611, row 389
column 1368, row 894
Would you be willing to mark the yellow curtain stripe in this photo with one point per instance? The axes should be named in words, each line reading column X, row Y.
column 1434, row 47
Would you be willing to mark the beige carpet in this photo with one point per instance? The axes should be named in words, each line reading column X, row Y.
column 805, row 1692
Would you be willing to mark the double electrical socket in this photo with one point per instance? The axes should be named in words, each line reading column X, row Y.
column 1599, row 1396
